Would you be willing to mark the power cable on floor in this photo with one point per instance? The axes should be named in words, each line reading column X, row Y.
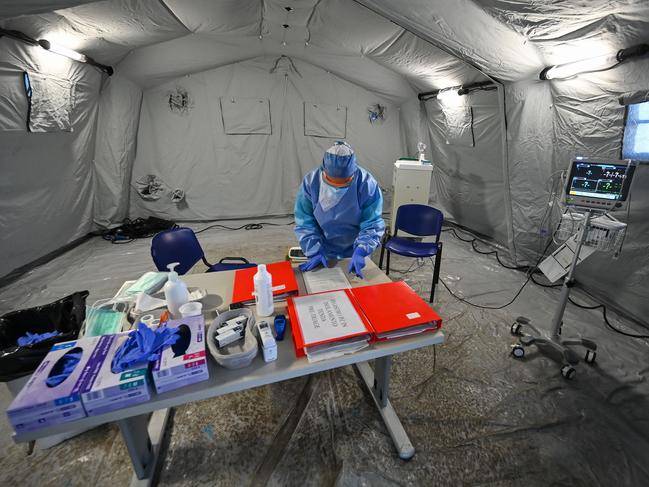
column 247, row 226
column 608, row 323
column 473, row 241
column 532, row 271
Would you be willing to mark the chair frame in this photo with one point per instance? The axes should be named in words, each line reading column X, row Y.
column 203, row 258
column 438, row 259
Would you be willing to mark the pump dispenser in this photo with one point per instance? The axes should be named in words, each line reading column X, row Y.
column 264, row 291
column 175, row 291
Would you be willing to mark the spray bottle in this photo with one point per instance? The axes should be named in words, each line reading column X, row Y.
column 175, row 290
column 264, row 291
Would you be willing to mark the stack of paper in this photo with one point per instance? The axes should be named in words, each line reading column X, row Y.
column 325, row 279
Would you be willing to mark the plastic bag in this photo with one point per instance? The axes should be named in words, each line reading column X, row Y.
column 65, row 316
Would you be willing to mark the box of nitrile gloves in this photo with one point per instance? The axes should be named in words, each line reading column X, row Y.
column 53, row 393
column 184, row 362
column 110, row 391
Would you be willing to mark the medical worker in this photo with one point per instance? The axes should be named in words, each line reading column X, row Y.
column 338, row 211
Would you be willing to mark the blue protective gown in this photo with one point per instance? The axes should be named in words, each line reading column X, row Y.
column 354, row 221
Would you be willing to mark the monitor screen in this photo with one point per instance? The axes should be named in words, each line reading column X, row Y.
column 599, row 180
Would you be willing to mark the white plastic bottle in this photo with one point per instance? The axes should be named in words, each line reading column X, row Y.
column 176, row 293
column 264, row 291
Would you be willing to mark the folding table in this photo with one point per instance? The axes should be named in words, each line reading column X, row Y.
column 142, row 426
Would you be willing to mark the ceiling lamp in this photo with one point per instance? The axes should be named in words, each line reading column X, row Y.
column 599, row 63
column 63, row 51
column 49, row 46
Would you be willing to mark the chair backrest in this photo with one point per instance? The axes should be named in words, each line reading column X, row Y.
column 231, row 264
column 420, row 220
column 176, row 245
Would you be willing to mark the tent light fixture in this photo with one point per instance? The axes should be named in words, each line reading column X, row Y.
column 63, row 51
column 449, row 94
column 593, row 64
column 455, row 92
column 55, row 48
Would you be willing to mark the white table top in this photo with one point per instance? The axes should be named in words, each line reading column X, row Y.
column 223, row 381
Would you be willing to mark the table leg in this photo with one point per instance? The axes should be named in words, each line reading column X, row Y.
column 143, row 437
column 378, row 382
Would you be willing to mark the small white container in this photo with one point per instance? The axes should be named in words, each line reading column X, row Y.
column 193, row 308
column 264, row 291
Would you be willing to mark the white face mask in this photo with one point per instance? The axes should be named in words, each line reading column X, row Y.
column 329, row 196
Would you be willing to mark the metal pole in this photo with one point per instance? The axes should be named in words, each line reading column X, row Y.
column 557, row 321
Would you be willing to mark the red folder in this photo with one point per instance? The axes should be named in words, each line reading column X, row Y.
column 296, row 331
column 282, row 273
column 394, row 307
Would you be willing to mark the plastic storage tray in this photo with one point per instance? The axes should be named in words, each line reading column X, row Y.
column 240, row 353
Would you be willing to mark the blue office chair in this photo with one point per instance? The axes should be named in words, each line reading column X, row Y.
column 181, row 245
column 422, row 221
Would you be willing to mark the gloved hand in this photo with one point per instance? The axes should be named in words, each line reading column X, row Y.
column 313, row 262
column 357, row 263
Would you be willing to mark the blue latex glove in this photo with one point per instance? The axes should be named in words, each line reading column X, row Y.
column 66, row 365
column 313, row 262
column 142, row 345
column 356, row 263
column 31, row 338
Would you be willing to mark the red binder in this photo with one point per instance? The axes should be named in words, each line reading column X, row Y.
column 395, row 310
column 282, row 273
column 296, row 331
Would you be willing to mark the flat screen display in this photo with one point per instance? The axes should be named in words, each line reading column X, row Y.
column 599, row 180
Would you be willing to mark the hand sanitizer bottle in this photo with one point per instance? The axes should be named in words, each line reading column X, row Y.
column 264, row 291
column 175, row 290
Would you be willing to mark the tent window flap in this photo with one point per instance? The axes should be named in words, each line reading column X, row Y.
column 459, row 126
column 51, row 101
column 246, row 116
column 322, row 120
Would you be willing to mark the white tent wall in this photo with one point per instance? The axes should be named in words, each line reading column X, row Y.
column 119, row 116
column 469, row 183
column 46, row 182
column 530, row 121
column 356, row 53
column 257, row 174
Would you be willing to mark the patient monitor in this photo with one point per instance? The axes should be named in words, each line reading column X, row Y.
column 601, row 184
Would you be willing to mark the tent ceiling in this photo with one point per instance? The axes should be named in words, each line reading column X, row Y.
column 159, row 40
column 563, row 30
column 106, row 30
column 508, row 39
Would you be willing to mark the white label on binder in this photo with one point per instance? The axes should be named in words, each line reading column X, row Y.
column 327, row 316
column 412, row 316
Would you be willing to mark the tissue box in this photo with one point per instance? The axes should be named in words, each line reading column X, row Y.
column 109, row 391
column 184, row 362
column 39, row 405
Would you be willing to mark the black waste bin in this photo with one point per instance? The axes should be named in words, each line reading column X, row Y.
column 65, row 315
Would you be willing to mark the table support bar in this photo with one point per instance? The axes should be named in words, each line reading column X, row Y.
column 143, row 436
column 378, row 383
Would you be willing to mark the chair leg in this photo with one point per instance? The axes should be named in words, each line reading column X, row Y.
column 438, row 259
column 387, row 266
column 381, row 257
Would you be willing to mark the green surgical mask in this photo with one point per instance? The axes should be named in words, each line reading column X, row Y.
column 149, row 283
column 102, row 322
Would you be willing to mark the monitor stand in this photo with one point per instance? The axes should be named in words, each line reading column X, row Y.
column 554, row 345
